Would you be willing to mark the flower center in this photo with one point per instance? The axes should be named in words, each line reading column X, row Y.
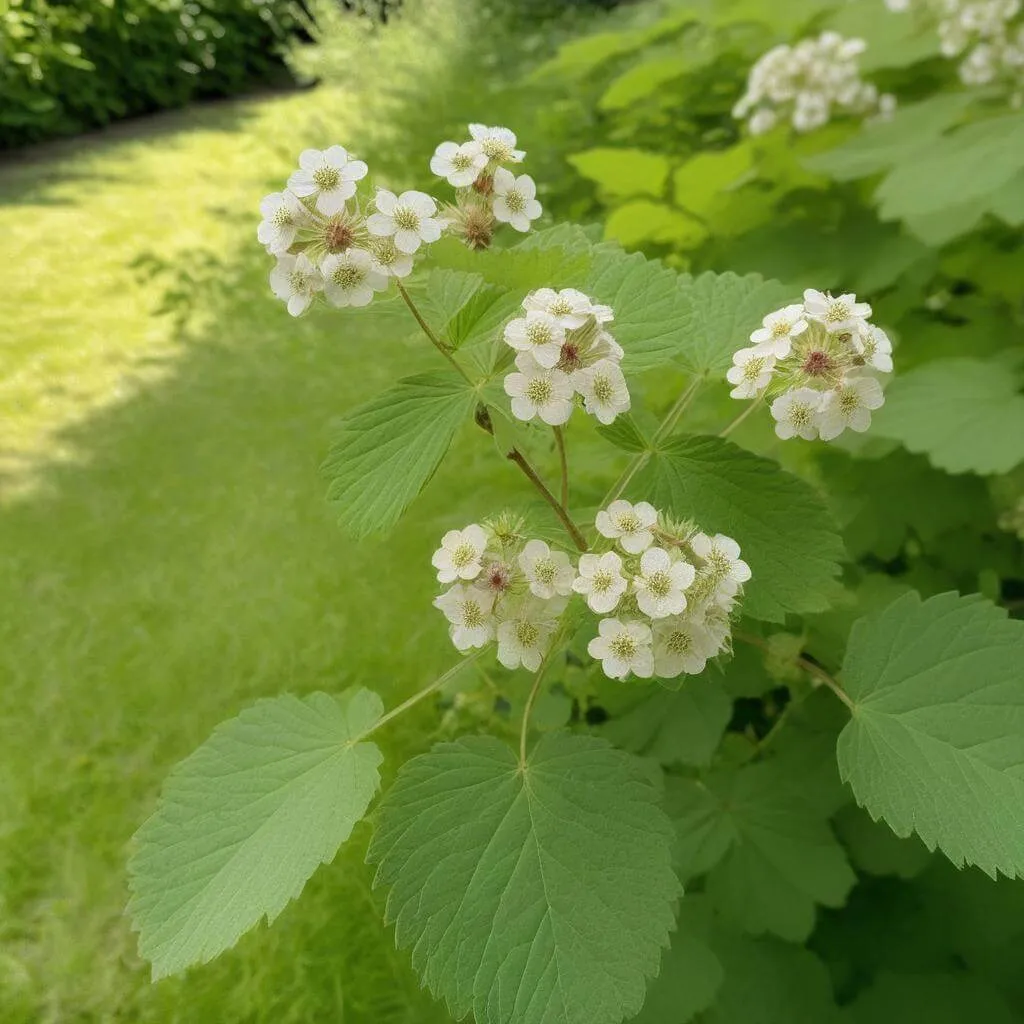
column 753, row 367
column 628, row 522
column 527, row 633
column 817, row 363
column 339, row 236
column 624, row 646
column 497, row 150
column 837, row 311
column 780, row 329
column 539, row 390
column 515, row 200
column 560, row 307
column 718, row 564
column 604, row 390
column 473, row 615
column 538, row 332
column 679, row 641
column 462, row 161
column 348, row 276
column 463, row 555
column 849, row 401
column 326, row 178
column 406, row 219
column 659, row 583
column 544, row 570
column 570, row 358
column 800, row 414
column 498, row 576
column 283, row 217
column 603, row 580
column 300, row 281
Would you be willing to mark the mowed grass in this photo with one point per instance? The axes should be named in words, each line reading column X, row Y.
column 167, row 556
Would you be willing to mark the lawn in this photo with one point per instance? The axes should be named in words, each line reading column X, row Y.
column 167, row 555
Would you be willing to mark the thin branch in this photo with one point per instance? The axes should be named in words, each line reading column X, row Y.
column 531, row 700
column 531, row 474
column 417, row 697
column 810, row 667
column 726, row 431
column 564, row 463
column 441, row 347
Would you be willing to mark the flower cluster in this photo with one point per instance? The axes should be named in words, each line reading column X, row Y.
column 500, row 587
column 807, row 83
column 673, row 590
column 488, row 193
column 988, row 36
column 327, row 243
column 563, row 349
column 818, row 360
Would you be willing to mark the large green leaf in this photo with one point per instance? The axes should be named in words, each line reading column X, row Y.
column 243, row 822
column 640, row 81
column 623, row 172
column 784, row 530
column 952, row 998
column 935, row 744
column 966, row 415
column 539, row 893
column 388, row 449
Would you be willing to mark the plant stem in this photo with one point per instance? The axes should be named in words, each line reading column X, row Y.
column 666, row 427
column 726, row 431
column 810, row 667
column 417, row 697
column 571, row 528
column 441, row 347
column 531, row 700
column 564, row 463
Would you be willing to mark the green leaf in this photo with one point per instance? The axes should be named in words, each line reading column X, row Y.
column 540, row 893
column 681, row 726
column 623, row 172
column 624, row 432
column 780, row 522
column 935, row 744
column 244, row 822
column 643, row 222
column 388, row 449
column 966, row 415
column 690, row 974
column 876, row 849
column 717, row 314
column 949, row 998
column 640, row 81
column 444, row 293
column 703, row 833
column 699, row 184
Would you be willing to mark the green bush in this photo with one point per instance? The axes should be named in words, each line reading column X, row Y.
column 65, row 68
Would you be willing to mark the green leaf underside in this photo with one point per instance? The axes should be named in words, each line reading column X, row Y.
column 543, row 895
column 389, row 448
column 785, row 532
column 964, row 414
column 244, row 822
column 771, row 854
column 680, row 726
column 936, row 742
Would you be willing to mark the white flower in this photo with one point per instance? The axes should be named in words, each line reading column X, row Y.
column 722, row 555
column 538, row 333
column 850, row 406
column 295, row 281
column 329, row 175
column 460, row 555
column 681, row 644
column 603, row 388
column 388, row 260
column 283, row 215
column 796, row 413
column 524, row 638
column 469, row 611
column 408, row 218
column 810, row 111
column 779, row 329
column 569, row 307
column 751, row 372
column 350, row 278
column 514, row 199
column 460, row 165
column 498, row 144
column 600, row 580
column 762, row 121
column 538, row 391
column 835, row 313
column 629, row 524
column 623, row 647
column 661, row 584
column 549, row 573
column 874, row 346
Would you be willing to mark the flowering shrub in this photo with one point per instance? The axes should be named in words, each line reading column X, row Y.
column 535, row 861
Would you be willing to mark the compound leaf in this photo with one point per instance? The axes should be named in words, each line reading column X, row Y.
column 936, row 742
column 786, row 533
column 244, row 822
column 388, row 449
column 540, row 893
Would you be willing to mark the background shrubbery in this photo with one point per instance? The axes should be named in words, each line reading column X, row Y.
column 65, row 68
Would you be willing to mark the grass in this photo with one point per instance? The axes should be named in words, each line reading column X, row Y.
column 167, row 555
